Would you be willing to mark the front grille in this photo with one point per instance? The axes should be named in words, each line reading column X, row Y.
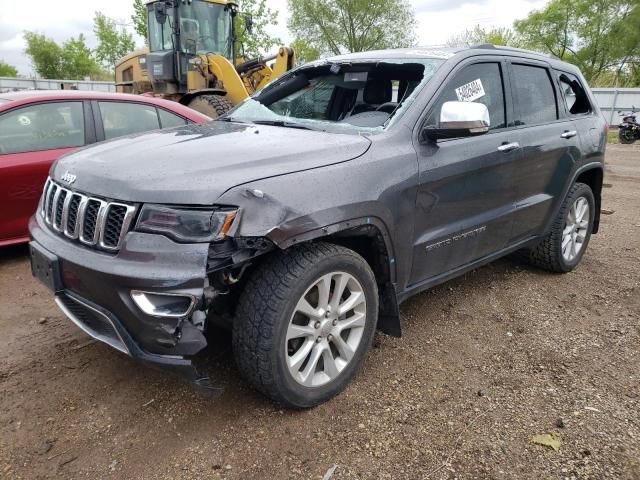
column 92, row 221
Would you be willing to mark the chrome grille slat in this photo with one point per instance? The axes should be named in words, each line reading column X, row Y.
column 59, row 206
column 50, row 196
column 45, row 190
column 72, row 215
column 54, row 208
column 92, row 221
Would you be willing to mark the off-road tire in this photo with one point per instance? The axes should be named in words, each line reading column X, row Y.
column 213, row 106
column 265, row 309
column 624, row 139
column 548, row 253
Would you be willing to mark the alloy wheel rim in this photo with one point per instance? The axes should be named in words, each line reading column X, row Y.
column 325, row 329
column 575, row 230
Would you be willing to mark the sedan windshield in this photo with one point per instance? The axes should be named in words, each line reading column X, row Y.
column 339, row 96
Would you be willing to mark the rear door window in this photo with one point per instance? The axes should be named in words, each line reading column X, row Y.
column 44, row 126
column 574, row 94
column 119, row 118
column 479, row 82
column 534, row 95
column 168, row 119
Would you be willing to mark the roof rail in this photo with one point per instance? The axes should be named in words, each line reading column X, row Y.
column 488, row 46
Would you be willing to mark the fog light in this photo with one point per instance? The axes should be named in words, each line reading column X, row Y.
column 163, row 304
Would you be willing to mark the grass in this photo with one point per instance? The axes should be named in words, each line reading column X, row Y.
column 613, row 136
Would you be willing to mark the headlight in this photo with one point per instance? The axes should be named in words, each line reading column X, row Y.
column 186, row 225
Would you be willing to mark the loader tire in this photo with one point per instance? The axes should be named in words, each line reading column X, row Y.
column 213, row 106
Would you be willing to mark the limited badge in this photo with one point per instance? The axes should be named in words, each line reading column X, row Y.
column 470, row 91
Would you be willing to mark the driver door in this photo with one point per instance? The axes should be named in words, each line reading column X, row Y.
column 465, row 201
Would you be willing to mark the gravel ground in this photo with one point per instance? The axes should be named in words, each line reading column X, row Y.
column 486, row 362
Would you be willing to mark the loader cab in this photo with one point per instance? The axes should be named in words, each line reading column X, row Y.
column 181, row 29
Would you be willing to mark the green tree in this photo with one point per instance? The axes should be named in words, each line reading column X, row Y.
column 45, row 54
column 140, row 18
column 113, row 42
column 352, row 25
column 478, row 35
column 259, row 42
column 304, row 52
column 77, row 59
column 599, row 36
column 7, row 70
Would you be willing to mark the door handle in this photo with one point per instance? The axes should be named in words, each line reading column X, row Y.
column 569, row 134
column 507, row 147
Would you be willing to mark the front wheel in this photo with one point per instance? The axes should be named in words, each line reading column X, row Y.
column 305, row 322
column 626, row 136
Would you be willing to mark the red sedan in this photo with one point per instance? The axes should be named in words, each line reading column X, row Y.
column 37, row 127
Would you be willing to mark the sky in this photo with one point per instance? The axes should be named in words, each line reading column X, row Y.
column 437, row 20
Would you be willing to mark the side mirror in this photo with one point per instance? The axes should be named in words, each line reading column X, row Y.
column 459, row 119
column 248, row 23
column 161, row 12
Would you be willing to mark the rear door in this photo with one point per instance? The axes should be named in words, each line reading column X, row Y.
column 464, row 202
column 31, row 138
column 115, row 119
column 550, row 147
column 577, row 107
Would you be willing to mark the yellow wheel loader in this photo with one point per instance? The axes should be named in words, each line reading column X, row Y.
column 191, row 57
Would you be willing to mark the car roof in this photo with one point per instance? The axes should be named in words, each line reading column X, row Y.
column 448, row 52
column 397, row 53
column 28, row 96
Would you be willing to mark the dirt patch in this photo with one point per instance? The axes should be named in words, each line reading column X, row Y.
column 486, row 362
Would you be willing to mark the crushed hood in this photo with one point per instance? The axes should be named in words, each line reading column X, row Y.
column 196, row 164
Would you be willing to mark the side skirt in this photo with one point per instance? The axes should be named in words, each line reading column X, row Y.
column 443, row 277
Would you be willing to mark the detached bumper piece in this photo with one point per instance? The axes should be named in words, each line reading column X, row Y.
column 102, row 325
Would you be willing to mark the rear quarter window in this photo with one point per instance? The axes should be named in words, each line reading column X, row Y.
column 574, row 95
column 168, row 119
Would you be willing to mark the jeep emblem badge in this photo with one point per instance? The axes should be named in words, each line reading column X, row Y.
column 68, row 177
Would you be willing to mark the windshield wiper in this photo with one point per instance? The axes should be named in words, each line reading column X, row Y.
column 281, row 123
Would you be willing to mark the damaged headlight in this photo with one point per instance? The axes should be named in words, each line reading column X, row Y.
column 186, row 225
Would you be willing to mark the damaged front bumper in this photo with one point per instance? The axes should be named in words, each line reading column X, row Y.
column 94, row 289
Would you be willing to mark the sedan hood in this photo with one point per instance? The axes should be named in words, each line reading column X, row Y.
column 196, row 164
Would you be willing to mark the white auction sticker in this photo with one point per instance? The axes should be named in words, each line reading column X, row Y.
column 471, row 91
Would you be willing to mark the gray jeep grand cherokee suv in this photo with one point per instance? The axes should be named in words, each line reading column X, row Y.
column 305, row 216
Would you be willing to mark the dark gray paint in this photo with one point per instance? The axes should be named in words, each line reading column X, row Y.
column 315, row 183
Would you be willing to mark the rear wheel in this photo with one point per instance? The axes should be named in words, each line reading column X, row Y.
column 626, row 136
column 213, row 106
column 563, row 247
column 305, row 322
